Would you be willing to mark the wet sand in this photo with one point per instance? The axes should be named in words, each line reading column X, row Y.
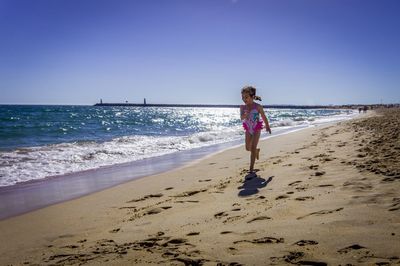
column 325, row 195
column 36, row 194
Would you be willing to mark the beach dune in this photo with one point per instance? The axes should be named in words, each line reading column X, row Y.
column 327, row 195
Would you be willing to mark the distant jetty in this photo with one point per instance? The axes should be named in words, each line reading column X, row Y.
column 224, row 106
column 274, row 106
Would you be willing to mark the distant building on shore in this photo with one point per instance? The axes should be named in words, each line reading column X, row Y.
column 144, row 101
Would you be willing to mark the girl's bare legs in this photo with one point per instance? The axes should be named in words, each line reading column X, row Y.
column 249, row 142
column 251, row 145
column 249, row 139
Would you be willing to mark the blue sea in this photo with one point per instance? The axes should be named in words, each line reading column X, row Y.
column 42, row 141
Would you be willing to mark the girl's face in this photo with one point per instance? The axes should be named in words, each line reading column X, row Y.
column 247, row 99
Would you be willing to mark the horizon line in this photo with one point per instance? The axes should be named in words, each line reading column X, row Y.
column 194, row 104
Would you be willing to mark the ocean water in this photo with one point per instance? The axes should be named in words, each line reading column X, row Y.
column 42, row 141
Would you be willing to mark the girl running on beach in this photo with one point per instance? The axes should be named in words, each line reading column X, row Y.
column 250, row 116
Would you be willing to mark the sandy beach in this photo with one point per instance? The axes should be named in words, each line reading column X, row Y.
column 327, row 195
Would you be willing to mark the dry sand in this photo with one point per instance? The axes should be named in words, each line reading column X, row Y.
column 326, row 195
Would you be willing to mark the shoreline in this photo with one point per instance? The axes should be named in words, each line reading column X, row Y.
column 310, row 188
column 32, row 195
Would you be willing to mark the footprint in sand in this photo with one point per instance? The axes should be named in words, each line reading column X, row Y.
column 128, row 207
column 66, row 236
column 294, row 257
column 303, row 188
column 305, row 242
column 102, row 247
column 154, row 211
column 234, row 264
column 187, row 201
column 282, row 197
column 116, row 230
column 189, row 261
column 395, row 205
column 220, row 215
column 146, row 197
column 232, row 250
column 326, row 185
column 176, row 241
column 357, row 185
column 263, row 240
column 350, row 248
column 70, row 258
column 390, row 179
column 157, row 210
column 189, row 193
column 323, row 157
column 304, row 198
column 319, row 173
column 233, row 218
column 295, row 183
column 277, row 162
column 260, row 218
column 70, row 246
column 320, row 213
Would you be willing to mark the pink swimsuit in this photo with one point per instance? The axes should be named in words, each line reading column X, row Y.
column 252, row 123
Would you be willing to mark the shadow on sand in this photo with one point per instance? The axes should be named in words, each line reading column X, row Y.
column 252, row 183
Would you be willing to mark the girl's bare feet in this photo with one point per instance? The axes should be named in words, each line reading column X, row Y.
column 258, row 154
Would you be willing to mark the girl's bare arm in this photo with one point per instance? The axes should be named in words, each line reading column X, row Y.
column 264, row 118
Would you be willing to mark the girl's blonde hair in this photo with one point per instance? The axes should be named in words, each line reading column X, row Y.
column 252, row 92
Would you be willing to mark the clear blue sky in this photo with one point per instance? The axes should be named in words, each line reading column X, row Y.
column 188, row 51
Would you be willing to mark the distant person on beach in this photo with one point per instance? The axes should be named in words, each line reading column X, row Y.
column 250, row 116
